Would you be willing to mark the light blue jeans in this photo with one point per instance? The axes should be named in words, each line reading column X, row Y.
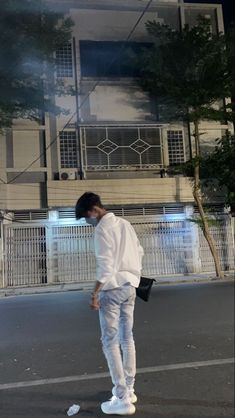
column 116, row 322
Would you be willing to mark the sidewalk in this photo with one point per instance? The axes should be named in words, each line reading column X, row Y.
column 86, row 286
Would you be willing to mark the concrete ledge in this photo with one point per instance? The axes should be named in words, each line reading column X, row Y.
column 143, row 190
column 87, row 286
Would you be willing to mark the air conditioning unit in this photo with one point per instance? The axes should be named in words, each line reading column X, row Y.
column 67, row 175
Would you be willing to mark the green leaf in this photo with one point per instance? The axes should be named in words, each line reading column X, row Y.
column 34, row 31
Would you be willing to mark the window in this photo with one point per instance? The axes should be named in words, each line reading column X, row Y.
column 192, row 14
column 121, row 148
column 109, row 59
column 68, row 149
column 175, row 147
column 64, row 61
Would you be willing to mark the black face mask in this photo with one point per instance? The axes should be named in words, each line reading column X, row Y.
column 92, row 221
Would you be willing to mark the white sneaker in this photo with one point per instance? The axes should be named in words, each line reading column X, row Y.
column 118, row 406
column 133, row 397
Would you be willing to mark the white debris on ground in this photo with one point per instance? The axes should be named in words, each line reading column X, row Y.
column 74, row 409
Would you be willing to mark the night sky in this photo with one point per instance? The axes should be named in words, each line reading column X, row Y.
column 228, row 9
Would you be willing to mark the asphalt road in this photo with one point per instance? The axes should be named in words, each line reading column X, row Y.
column 56, row 336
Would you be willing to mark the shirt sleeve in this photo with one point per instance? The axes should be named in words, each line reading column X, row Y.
column 139, row 246
column 141, row 251
column 104, row 256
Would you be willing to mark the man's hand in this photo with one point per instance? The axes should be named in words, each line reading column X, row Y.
column 94, row 304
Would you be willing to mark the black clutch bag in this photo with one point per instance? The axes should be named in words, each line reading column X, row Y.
column 144, row 289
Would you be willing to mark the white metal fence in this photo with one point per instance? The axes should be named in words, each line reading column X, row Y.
column 71, row 253
column 59, row 252
column 223, row 236
column 25, row 255
column 168, row 247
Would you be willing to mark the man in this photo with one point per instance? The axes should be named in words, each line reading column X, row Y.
column 119, row 262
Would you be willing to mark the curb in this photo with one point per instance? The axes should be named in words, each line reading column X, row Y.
column 84, row 287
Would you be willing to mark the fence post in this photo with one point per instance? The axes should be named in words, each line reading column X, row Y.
column 53, row 216
column 196, row 249
column 196, row 260
column 49, row 253
column 6, row 221
column 2, row 281
column 230, row 250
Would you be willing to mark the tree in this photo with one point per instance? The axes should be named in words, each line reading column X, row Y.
column 220, row 166
column 230, row 50
column 29, row 35
column 187, row 72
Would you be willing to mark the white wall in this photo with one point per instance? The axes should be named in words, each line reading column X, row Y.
column 20, row 196
column 25, row 124
column 68, row 104
column 120, row 192
column 110, row 25
column 117, row 102
column 209, row 132
column 26, row 148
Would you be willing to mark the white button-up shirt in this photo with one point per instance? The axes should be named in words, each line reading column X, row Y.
column 118, row 252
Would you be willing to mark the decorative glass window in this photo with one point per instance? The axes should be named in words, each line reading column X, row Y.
column 64, row 61
column 68, row 149
column 175, row 147
column 121, row 148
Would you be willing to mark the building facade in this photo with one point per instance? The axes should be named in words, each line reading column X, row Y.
column 111, row 140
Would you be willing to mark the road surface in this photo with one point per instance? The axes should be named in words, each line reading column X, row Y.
column 51, row 357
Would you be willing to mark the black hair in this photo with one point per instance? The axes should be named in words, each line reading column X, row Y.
column 86, row 202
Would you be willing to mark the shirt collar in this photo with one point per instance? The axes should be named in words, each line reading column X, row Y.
column 106, row 218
